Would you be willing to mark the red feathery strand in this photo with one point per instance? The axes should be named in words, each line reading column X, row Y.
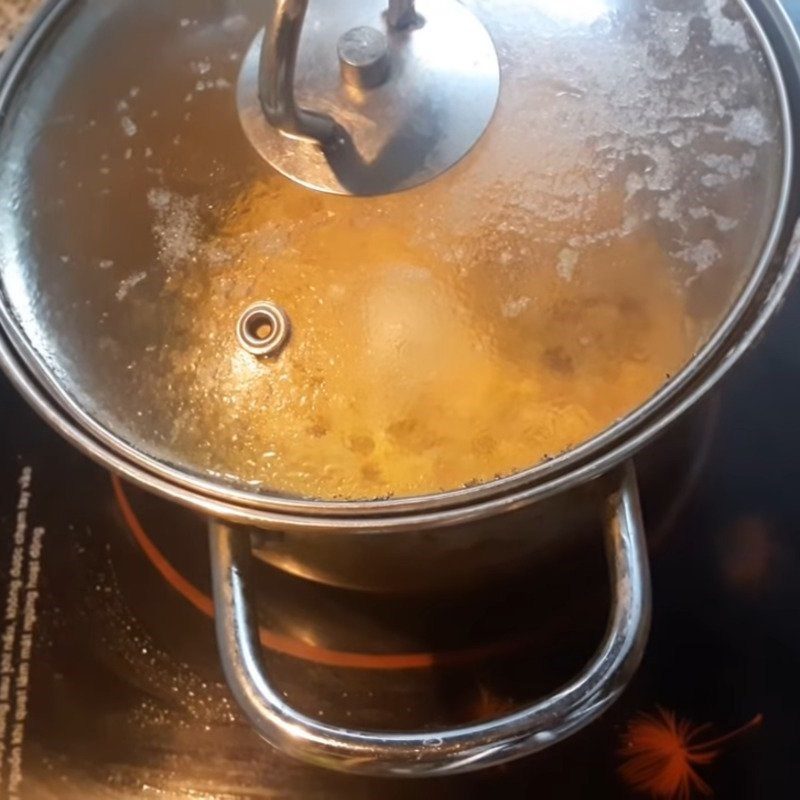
column 661, row 753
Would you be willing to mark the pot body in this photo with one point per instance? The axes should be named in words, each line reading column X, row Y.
column 523, row 526
column 488, row 532
column 482, row 525
column 519, row 541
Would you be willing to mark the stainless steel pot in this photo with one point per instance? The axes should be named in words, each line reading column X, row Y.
column 476, row 531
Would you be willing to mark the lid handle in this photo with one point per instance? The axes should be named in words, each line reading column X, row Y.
column 361, row 58
column 276, row 78
column 410, row 113
column 401, row 14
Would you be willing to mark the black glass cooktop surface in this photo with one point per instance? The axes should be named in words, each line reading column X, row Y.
column 110, row 684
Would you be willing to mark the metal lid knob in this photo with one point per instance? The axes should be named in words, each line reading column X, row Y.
column 413, row 114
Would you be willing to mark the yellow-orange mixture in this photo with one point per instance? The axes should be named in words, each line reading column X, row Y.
column 419, row 361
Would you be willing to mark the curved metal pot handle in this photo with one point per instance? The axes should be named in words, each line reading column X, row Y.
column 457, row 749
column 276, row 81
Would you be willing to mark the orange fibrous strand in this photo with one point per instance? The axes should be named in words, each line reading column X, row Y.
column 661, row 754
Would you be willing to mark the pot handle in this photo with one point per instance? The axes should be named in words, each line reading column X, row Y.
column 455, row 750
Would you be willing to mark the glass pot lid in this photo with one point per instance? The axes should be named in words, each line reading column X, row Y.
column 193, row 305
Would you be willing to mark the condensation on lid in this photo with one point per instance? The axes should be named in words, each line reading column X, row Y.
column 514, row 308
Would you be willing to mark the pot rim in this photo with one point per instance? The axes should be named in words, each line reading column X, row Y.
column 429, row 519
column 588, row 460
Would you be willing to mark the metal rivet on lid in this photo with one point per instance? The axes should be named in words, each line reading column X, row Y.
column 263, row 329
column 364, row 57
